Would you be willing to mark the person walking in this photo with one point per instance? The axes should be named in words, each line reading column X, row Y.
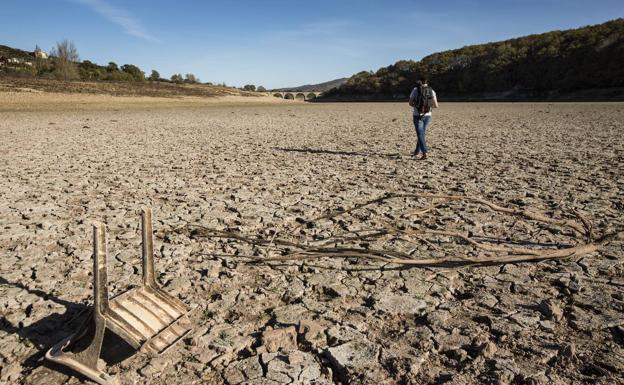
column 423, row 99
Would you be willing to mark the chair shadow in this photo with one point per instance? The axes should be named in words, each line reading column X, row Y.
column 46, row 332
column 341, row 153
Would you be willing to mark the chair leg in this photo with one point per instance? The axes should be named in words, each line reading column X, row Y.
column 81, row 350
column 149, row 279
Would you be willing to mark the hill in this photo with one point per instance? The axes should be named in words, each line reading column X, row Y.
column 316, row 87
column 118, row 88
column 535, row 66
column 10, row 52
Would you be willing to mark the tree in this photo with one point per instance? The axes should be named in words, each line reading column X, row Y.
column 91, row 71
column 134, row 71
column 154, row 76
column 66, row 56
column 190, row 78
column 177, row 78
column 249, row 87
column 112, row 67
column 261, row 89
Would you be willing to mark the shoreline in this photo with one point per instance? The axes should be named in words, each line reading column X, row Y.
column 26, row 101
column 33, row 101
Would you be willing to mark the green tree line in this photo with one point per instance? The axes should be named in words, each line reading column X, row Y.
column 584, row 58
column 64, row 64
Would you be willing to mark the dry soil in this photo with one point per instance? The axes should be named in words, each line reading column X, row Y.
column 257, row 168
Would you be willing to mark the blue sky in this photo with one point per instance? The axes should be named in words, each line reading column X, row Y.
column 281, row 43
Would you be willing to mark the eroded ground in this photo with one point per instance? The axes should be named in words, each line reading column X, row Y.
column 253, row 169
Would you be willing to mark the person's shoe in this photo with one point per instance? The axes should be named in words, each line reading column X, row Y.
column 414, row 153
column 423, row 157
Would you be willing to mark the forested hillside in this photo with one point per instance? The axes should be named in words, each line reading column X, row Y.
column 532, row 66
column 6, row 51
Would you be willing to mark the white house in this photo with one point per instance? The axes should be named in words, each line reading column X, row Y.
column 40, row 54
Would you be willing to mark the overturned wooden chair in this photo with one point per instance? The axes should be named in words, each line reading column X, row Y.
column 145, row 317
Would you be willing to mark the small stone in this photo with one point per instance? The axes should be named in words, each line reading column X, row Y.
column 551, row 310
column 354, row 356
column 438, row 318
column 233, row 375
column 312, row 333
column 206, row 355
column 11, row 372
column 505, row 377
column 584, row 320
column 45, row 376
column 339, row 334
column 265, row 358
column 459, row 354
column 525, row 319
column 450, row 342
column 547, row 325
column 400, row 304
column 290, row 314
column 155, row 366
column 486, row 300
column 569, row 351
column 280, row 339
column 295, row 358
column 417, row 363
column 299, row 366
column 489, row 350
column 244, row 370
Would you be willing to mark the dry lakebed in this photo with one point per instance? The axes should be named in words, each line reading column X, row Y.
column 264, row 170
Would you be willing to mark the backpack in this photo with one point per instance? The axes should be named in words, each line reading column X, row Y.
column 424, row 100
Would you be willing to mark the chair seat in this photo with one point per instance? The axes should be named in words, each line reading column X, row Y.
column 149, row 318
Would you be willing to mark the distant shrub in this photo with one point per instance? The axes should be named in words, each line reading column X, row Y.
column 154, row 76
column 190, row 78
column 112, row 67
column 135, row 72
column 91, row 71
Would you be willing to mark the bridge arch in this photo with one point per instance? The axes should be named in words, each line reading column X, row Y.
column 296, row 95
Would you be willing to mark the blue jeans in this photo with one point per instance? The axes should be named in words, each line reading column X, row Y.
column 421, row 126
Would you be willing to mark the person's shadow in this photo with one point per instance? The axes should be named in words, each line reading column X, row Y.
column 340, row 153
column 46, row 332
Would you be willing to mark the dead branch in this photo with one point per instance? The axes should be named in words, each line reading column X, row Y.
column 311, row 249
column 527, row 214
column 458, row 260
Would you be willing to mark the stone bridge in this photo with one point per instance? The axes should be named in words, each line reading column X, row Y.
column 297, row 95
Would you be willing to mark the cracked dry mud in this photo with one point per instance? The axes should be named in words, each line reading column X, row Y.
column 253, row 168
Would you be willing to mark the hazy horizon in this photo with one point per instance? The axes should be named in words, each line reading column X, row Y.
column 281, row 44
